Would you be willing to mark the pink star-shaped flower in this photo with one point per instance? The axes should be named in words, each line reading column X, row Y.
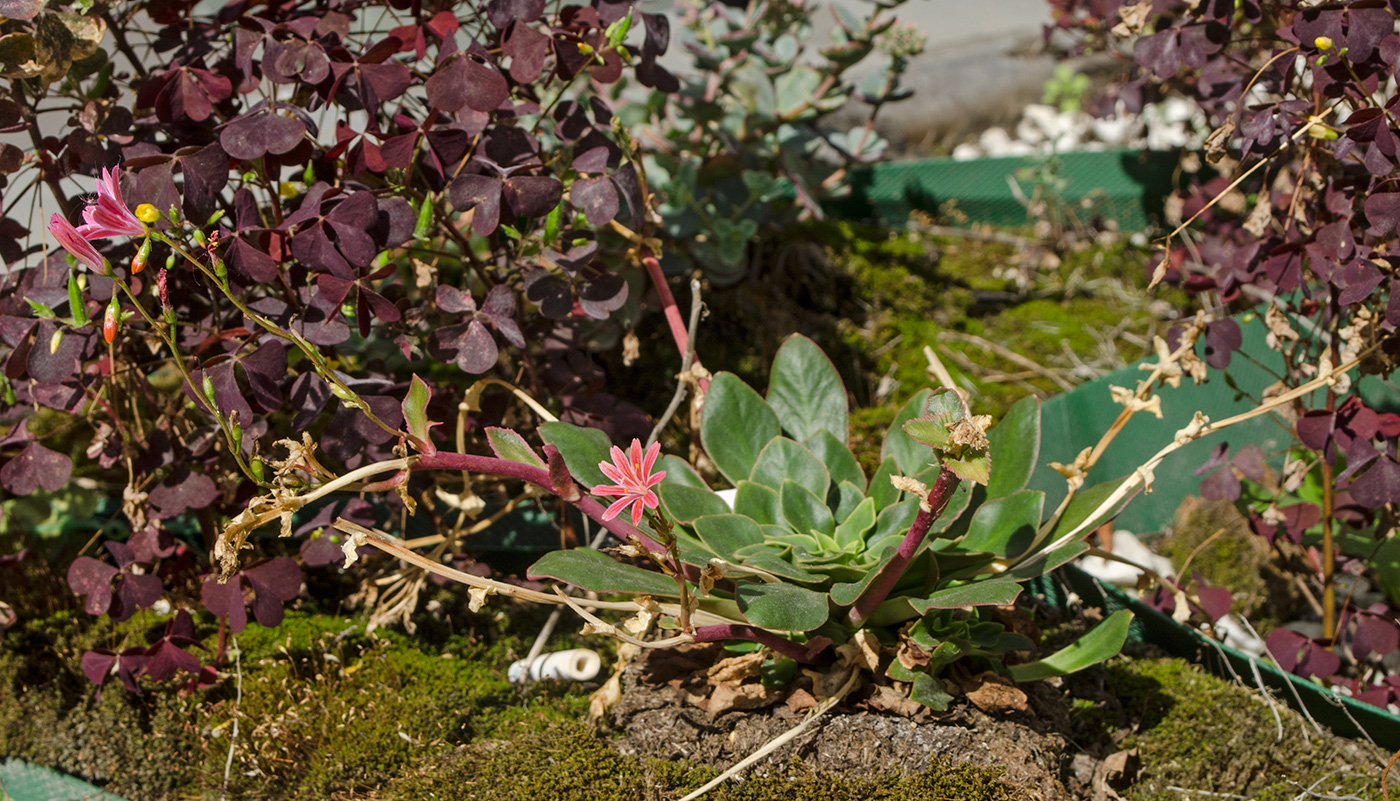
column 634, row 480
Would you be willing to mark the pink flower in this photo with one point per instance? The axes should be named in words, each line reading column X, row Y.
column 632, row 472
column 109, row 216
column 73, row 241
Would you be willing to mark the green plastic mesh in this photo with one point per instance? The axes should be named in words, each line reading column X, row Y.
column 21, row 781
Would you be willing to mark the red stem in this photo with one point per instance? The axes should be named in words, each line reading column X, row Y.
column 880, row 587
column 539, row 476
column 735, row 631
column 672, row 311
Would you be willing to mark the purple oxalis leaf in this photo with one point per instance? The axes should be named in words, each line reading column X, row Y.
column 35, row 467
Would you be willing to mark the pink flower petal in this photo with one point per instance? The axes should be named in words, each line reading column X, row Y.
column 73, row 242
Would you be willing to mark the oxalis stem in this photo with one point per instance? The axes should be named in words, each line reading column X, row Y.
column 929, row 510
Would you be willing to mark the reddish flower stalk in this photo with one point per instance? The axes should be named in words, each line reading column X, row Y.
column 879, row 588
column 804, row 654
column 672, row 311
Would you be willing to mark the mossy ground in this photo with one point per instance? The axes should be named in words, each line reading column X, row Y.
column 327, row 712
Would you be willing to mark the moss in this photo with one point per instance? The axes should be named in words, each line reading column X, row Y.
column 571, row 762
column 1206, row 734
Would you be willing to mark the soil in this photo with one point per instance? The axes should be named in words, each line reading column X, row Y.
column 1075, row 738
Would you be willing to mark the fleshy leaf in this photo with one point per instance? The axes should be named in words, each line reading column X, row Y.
column 784, row 460
column 586, row 568
column 839, row 460
column 684, row 504
column 1102, row 642
column 782, row 607
column 1005, row 527
column 978, row 593
column 727, row 533
column 737, row 423
column 1015, row 448
column 806, row 392
column 803, row 511
column 582, row 448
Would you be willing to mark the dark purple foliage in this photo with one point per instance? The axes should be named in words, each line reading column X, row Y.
column 272, row 584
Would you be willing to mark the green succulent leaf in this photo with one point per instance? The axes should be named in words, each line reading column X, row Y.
column 930, row 692
column 848, row 497
column 803, row 511
column 586, row 568
column 1081, row 515
column 909, row 456
column 582, row 448
column 839, row 460
column 758, row 502
column 770, row 559
column 1015, row 448
column 783, row 459
column 880, row 487
column 1044, row 563
column 1006, row 526
column 846, row 593
column 679, row 471
column 727, row 533
column 993, row 592
column 943, row 408
column 509, row 445
column 806, row 391
column 782, row 607
column 1099, row 643
column 684, row 504
column 737, row 423
column 853, row 529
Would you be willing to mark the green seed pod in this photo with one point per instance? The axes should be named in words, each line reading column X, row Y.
column 257, row 467
column 425, row 219
column 77, row 307
column 199, row 239
column 208, row 387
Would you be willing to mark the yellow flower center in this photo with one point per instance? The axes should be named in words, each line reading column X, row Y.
column 1323, row 43
column 147, row 213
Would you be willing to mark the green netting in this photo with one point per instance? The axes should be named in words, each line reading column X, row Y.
column 1343, row 715
column 21, row 781
column 1125, row 185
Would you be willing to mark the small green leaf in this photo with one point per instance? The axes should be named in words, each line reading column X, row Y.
column 1080, row 514
column 806, row 391
column 737, row 423
column 770, row 560
column 803, row 511
column 880, row 487
column 854, row 527
column 994, row 592
column 911, row 457
column 1006, row 526
column 839, row 460
column 758, row 502
column 1044, row 563
column 679, row 471
column 1103, row 641
column 684, row 504
column 846, row 594
column 930, row 692
column 582, row 448
column 848, row 497
column 782, row 607
column 1015, row 448
column 586, row 568
column 509, row 445
column 782, row 460
column 727, row 533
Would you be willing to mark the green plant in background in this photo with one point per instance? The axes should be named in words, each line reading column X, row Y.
column 1066, row 89
column 811, row 552
column 746, row 143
